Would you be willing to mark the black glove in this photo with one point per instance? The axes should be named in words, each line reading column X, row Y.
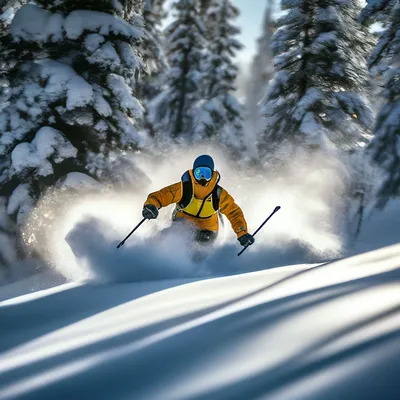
column 246, row 240
column 150, row 211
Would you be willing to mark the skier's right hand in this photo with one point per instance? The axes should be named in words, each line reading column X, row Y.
column 150, row 211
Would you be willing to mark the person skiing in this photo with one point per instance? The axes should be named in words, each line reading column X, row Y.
column 199, row 199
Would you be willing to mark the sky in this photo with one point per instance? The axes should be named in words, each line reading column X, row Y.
column 250, row 23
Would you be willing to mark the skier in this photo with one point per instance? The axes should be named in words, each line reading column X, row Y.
column 199, row 199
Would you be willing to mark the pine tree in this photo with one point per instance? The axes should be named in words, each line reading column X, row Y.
column 377, row 11
column 204, row 6
column 171, row 113
column 261, row 72
column 219, row 115
column 11, row 4
column 154, row 54
column 8, row 8
column 317, row 95
column 155, row 62
column 68, row 110
column 8, row 247
column 385, row 147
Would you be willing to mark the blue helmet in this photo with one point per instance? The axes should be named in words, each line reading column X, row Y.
column 204, row 161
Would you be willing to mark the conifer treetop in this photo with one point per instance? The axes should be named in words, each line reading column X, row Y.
column 318, row 93
column 385, row 147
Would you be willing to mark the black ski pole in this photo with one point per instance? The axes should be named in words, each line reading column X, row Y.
column 277, row 208
column 133, row 230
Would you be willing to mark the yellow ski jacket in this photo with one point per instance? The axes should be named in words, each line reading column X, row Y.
column 200, row 194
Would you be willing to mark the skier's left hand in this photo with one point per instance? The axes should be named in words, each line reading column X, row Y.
column 246, row 240
column 150, row 211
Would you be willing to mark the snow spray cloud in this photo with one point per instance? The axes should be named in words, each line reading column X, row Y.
column 80, row 242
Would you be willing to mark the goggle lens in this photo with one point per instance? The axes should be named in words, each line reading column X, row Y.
column 203, row 172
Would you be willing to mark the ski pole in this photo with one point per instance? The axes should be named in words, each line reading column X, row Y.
column 277, row 208
column 133, row 230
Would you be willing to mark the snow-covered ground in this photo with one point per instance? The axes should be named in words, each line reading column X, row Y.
column 328, row 331
column 145, row 322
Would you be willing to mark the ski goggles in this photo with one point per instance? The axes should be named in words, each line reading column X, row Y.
column 203, row 172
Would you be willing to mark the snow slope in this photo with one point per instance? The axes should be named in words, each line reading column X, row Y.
column 145, row 322
column 326, row 331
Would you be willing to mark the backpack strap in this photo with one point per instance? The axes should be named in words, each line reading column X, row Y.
column 216, row 199
column 187, row 190
column 216, row 196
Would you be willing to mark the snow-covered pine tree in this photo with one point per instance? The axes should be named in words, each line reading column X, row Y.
column 377, row 11
column 8, row 9
column 67, row 109
column 153, row 46
column 171, row 113
column 154, row 55
column 317, row 95
column 261, row 72
column 220, row 115
column 385, row 147
column 11, row 4
column 8, row 243
column 204, row 6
